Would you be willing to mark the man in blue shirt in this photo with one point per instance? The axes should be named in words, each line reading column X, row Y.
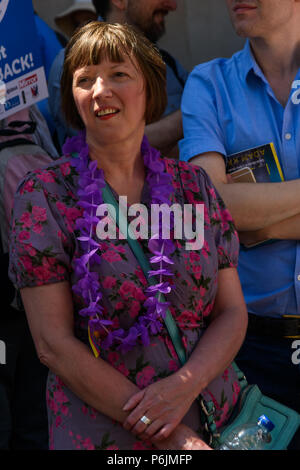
column 230, row 105
column 148, row 17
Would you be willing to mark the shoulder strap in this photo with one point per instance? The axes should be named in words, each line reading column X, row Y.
column 240, row 375
column 122, row 223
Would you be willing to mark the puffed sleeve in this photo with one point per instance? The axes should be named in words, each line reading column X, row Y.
column 41, row 243
column 221, row 223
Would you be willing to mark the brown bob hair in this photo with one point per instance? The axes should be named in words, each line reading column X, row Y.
column 97, row 40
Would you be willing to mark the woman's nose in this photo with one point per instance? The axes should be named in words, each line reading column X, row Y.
column 102, row 88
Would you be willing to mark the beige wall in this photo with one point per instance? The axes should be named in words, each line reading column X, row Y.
column 47, row 9
column 198, row 31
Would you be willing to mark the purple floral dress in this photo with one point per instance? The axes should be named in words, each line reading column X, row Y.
column 43, row 246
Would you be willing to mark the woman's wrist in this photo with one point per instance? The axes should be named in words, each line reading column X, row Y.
column 183, row 438
column 189, row 376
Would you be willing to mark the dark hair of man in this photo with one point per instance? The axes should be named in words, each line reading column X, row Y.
column 102, row 7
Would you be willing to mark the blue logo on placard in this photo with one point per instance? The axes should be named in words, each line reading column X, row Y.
column 12, row 103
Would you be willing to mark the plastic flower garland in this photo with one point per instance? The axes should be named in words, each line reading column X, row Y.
column 90, row 182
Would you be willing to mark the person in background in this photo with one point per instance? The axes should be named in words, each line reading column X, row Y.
column 95, row 323
column 79, row 13
column 50, row 42
column 25, row 144
column 230, row 105
column 148, row 16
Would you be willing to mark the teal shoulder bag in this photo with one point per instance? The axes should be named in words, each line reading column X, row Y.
column 251, row 404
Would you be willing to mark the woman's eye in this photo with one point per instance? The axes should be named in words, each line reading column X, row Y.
column 83, row 81
column 120, row 74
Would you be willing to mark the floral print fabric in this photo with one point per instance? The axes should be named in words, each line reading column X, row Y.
column 43, row 247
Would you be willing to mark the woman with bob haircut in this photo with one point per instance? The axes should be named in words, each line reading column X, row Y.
column 98, row 323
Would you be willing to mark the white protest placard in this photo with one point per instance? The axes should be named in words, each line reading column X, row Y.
column 22, row 76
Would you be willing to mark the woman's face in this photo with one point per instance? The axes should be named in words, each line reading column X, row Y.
column 111, row 100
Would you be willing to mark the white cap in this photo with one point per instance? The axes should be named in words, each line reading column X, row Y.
column 64, row 20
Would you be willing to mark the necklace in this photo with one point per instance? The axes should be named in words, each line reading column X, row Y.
column 91, row 182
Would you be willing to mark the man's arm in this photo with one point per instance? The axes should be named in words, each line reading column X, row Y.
column 253, row 206
column 165, row 133
column 288, row 229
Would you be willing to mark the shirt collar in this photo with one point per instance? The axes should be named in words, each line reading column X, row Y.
column 248, row 62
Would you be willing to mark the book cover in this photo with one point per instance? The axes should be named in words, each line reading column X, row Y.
column 258, row 164
column 255, row 165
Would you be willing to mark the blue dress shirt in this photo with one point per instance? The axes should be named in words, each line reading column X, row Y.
column 174, row 87
column 228, row 106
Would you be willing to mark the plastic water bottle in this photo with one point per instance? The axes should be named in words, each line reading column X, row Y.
column 250, row 436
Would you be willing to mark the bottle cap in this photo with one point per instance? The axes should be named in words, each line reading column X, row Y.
column 266, row 422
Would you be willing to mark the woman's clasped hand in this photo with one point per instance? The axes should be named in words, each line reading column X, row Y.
column 164, row 403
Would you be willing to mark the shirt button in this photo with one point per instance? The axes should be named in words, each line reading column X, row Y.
column 288, row 136
column 298, row 277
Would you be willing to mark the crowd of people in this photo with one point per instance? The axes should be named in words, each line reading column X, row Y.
column 90, row 362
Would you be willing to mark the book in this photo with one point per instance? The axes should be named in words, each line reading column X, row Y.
column 258, row 164
column 255, row 165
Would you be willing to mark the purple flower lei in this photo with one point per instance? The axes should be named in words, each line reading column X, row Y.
column 91, row 181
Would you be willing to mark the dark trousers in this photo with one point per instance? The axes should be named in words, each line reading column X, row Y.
column 267, row 362
column 23, row 415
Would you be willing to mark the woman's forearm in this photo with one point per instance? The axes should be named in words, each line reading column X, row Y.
column 93, row 380
column 105, row 389
column 50, row 315
column 215, row 351
column 222, row 339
